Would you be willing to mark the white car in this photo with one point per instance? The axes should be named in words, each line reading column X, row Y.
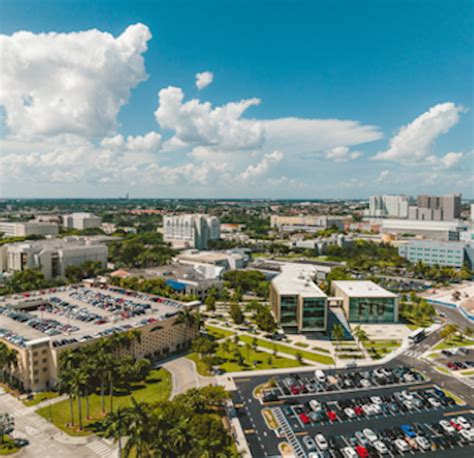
column 309, row 443
column 423, row 442
column 408, row 404
column 321, row 442
column 349, row 452
column 376, row 400
column 408, row 377
column 402, row 446
column 376, row 409
column 315, row 405
column 446, row 426
column 434, row 402
column 320, row 376
column 365, row 383
column 370, row 435
column 407, row 395
column 349, row 412
column 368, row 409
column 463, row 422
column 467, row 434
column 380, row 447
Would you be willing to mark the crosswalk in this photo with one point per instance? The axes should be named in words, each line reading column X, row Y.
column 100, row 448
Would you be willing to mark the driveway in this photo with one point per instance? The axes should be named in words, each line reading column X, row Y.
column 185, row 376
column 46, row 440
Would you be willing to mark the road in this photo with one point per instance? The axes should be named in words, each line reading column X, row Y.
column 45, row 439
column 185, row 376
column 453, row 315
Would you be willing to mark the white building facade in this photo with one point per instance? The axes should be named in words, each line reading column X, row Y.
column 24, row 229
column 81, row 221
column 393, row 206
column 191, row 230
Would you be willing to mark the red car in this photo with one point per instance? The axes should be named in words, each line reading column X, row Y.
column 455, row 425
column 331, row 415
column 452, row 366
column 304, row 418
column 358, row 411
column 362, row 451
column 294, row 390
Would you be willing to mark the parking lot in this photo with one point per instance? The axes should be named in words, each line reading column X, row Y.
column 398, row 413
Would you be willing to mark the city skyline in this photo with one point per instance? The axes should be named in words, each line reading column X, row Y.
column 121, row 100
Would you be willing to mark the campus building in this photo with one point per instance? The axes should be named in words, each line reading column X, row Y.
column 81, row 221
column 191, row 230
column 308, row 223
column 24, row 229
column 51, row 256
column 393, row 206
column 366, row 302
column 297, row 303
column 439, row 230
column 436, row 208
column 45, row 324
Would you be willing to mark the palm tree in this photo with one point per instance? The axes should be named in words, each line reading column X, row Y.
column 137, row 420
column 360, row 335
column 79, row 380
column 102, row 361
column 67, row 366
column 337, row 333
column 115, row 426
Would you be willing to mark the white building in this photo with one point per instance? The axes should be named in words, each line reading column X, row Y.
column 394, row 206
column 51, row 256
column 433, row 252
column 23, row 229
column 309, row 223
column 81, row 221
column 191, row 230
column 439, row 230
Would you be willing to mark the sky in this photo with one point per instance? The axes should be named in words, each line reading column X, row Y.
column 236, row 99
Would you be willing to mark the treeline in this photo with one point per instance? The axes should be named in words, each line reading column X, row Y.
column 140, row 251
column 245, row 281
column 188, row 426
column 28, row 280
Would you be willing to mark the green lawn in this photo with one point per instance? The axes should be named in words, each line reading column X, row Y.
column 454, row 342
column 467, row 373
column 156, row 387
column 262, row 359
column 377, row 349
column 40, row 397
column 218, row 333
column 322, row 350
column 302, row 344
column 323, row 359
column 8, row 447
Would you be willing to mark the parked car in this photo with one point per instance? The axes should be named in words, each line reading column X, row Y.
column 321, row 442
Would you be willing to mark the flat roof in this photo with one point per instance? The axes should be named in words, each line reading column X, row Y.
column 297, row 280
column 354, row 288
column 77, row 311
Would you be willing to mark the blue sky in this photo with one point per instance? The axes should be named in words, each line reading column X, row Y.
column 382, row 65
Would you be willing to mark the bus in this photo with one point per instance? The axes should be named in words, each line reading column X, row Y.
column 417, row 336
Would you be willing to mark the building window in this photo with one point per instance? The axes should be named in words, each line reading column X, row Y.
column 314, row 313
column 372, row 310
column 288, row 310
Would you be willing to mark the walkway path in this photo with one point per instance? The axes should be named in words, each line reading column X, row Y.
column 48, row 441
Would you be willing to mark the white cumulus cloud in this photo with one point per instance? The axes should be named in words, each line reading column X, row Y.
column 414, row 142
column 198, row 123
column 150, row 142
column 262, row 167
column 204, row 79
column 342, row 154
column 69, row 83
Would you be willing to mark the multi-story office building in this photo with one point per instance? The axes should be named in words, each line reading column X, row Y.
column 81, row 221
column 366, row 302
column 439, row 230
column 436, row 208
column 433, row 252
column 394, row 206
column 52, row 256
column 191, row 230
column 306, row 223
column 24, row 229
column 297, row 303
column 73, row 317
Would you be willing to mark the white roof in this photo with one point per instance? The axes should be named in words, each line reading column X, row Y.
column 354, row 288
column 297, row 280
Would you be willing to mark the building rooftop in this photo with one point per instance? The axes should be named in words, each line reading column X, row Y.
column 354, row 288
column 80, row 313
column 295, row 280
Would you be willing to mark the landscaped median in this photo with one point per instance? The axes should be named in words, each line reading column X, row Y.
column 156, row 387
column 377, row 349
column 322, row 359
column 218, row 333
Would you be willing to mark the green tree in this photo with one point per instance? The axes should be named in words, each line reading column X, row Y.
column 210, row 303
column 236, row 313
column 337, row 333
column 360, row 335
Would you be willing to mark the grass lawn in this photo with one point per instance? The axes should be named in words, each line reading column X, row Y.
column 156, row 387
column 377, row 349
column 40, row 397
column 467, row 373
column 413, row 327
column 322, row 350
column 442, row 369
column 302, row 344
column 454, row 342
column 218, row 333
column 323, row 359
column 8, row 446
column 262, row 359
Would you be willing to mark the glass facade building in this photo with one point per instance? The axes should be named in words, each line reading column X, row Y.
column 372, row 309
column 289, row 311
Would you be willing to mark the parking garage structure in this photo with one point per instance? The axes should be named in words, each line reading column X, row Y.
column 43, row 324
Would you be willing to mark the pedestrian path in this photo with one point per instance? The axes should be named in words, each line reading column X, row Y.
column 99, row 447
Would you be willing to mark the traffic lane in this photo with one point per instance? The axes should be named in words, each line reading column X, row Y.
column 453, row 315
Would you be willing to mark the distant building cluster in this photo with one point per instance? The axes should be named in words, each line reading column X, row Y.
column 25, row 229
column 308, row 223
column 436, row 208
column 81, row 221
column 392, row 206
column 191, row 230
